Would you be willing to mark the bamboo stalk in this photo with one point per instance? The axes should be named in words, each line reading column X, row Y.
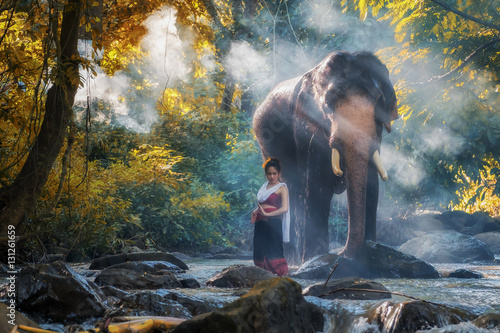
column 141, row 325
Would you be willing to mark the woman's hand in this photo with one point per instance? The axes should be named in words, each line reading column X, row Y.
column 263, row 211
column 253, row 218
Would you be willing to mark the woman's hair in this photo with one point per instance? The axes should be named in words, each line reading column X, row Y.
column 272, row 162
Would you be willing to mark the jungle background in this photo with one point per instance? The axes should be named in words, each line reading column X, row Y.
column 135, row 128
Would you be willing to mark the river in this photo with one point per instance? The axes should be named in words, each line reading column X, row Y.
column 478, row 295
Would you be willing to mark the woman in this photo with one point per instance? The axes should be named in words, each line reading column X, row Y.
column 270, row 230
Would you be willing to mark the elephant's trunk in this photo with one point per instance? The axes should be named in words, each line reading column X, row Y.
column 356, row 134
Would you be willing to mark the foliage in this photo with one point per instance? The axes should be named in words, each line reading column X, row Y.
column 450, row 126
column 478, row 196
column 188, row 180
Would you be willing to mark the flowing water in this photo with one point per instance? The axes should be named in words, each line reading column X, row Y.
column 480, row 296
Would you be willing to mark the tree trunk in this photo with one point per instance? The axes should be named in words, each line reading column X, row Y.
column 21, row 196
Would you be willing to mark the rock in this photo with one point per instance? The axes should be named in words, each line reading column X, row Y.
column 148, row 303
column 375, row 260
column 108, row 261
column 491, row 240
column 339, row 285
column 465, row 274
column 113, row 291
column 274, row 305
column 481, row 222
column 150, row 267
column 57, row 292
column 455, row 220
column 469, row 224
column 128, row 279
column 413, row 316
column 11, row 317
column 488, row 321
column 190, row 283
column 447, row 247
column 193, row 304
column 319, row 267
column 164, row 303
column 239, row 276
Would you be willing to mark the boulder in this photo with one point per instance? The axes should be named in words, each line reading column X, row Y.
column 101, row 263
column 190, row 283
column 455, row 220
column 55, row 291
column 413, row 316
column 469, row 224
column 150, row 267
column 129, row 279
column 274, row 305
column 195, row 305
column 113, row 291
column 491, row 240
column 348, row 288
column 447, row 247
column 481, row 222
column 375, row 260
column 148, row 303
column 239, row 276
column 490, row 321
column 465, row 274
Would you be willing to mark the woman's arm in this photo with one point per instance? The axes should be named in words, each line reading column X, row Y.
column 283, row 192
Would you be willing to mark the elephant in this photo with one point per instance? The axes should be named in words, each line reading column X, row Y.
column 326, row 128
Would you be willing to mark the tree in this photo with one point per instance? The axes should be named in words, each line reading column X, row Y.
column 19, row 197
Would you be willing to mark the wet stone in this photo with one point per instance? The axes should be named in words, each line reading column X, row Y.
column 239, row 276
column 129, row 279
column 108, row 261
column 56, row 292
column 273, row 305
column 465, row 274
column 413, row 316
column 348, row 288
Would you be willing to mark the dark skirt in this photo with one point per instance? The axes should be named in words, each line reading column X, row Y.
column 268, row 246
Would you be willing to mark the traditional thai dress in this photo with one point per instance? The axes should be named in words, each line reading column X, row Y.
column 271, row 232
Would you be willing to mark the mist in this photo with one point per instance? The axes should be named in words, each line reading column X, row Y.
column 131, row 95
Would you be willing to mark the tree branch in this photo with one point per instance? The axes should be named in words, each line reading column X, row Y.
column 465, row 62
column 467, row 16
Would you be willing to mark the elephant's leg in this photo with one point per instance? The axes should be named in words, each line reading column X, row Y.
column 317, row 194
column 371, row 204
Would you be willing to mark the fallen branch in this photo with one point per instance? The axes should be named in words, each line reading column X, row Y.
column 328, row 279
column 378, row 291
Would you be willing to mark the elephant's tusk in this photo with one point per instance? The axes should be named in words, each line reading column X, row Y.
column 336, row 163
column 380, row 167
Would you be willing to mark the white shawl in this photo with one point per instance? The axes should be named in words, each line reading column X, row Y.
column 262, row 196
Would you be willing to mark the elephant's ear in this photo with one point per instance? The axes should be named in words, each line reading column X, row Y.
column 308, row 105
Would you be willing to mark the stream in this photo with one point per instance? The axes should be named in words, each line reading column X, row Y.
column 478, row 295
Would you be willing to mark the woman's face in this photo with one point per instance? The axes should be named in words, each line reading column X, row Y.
column 272, row 175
